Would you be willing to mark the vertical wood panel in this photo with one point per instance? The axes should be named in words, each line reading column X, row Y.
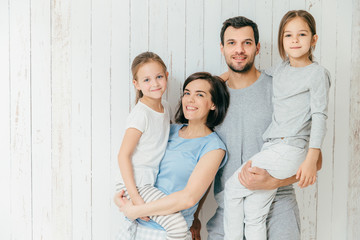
column 120, row 87
column 5, row 123
column 342, row 101
column 194, row 37
column 327, row 37
column 21, row 194
column 353, row 204
column 176, row 50
column 61, row 120
column 81, row 119
column 212, row 64
column 41, row 118
column 308, row 196
column 139, row 30
column 101, row 167
column 279, row 8
column 265, row 26
column 212, row 27
column 247, row 9
column 158, row 28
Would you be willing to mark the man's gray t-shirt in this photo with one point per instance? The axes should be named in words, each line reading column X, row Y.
column 247, row 118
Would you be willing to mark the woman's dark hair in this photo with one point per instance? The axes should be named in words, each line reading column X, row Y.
column 219, row 96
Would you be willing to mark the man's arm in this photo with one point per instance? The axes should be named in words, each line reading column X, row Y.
column 255, row 178
column 196, row 226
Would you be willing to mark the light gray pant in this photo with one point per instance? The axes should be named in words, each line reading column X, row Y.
column 174, row 224
column 252, row 207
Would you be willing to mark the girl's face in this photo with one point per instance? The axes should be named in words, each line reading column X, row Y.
column 298, row 39
column 196, row 101
column 151, row 80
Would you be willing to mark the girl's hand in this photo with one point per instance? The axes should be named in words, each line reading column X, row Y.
column 307, row 173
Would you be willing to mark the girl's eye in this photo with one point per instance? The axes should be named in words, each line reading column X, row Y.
column 186, row 93
column 302, row 34
column 160, row 76
column 146, row 80
column 287, row 35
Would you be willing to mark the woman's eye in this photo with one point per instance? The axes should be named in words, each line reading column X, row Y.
column 200, row 95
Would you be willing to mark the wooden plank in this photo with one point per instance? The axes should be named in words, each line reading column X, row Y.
column 41, row 118
column 194, row 37
column 120, row 88
column 327, row 38
column 353, row 204
column 264, row 18
column 176, row 50
column 229, row 9
column 342, row 131
column 61, row 120
column 297, row 5
column 212, row 64
column 20, row 130
column 101, row 167
column 5, row 124
column 247, row 9
column 158, row 28
column 308, row 197
column 81, row 119
column 212, row 28
column 279, row 8
column 139, row 30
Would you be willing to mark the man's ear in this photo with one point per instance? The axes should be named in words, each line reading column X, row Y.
column 222, row 49
column 257, row 48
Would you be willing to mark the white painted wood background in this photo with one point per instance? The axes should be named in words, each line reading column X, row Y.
column 65, row 91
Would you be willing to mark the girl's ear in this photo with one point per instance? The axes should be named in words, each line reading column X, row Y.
column 314, row 40
column 136, row 84
column 167, row 74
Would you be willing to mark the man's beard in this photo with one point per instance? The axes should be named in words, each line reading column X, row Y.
column 246, row 68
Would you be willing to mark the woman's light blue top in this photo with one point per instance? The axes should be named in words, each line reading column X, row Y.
column 179, row 161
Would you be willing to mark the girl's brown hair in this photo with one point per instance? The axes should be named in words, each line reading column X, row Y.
column 139, row 61
column 290, row 15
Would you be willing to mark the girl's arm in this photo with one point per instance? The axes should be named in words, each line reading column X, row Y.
column 199, row 181
column 307, row 170
column 131, row 139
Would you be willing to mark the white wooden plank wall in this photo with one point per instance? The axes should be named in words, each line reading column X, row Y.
column 66, row 90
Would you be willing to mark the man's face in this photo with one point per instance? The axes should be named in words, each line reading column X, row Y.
column 239, row 48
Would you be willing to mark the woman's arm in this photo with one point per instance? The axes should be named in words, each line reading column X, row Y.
column 255, row 178
column 199, row 181
column 131, row 139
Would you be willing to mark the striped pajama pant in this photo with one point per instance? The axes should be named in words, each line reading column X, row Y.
column 174, row 224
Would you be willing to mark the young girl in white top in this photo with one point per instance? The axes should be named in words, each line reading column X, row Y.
column 297, row 130
column 145, row 140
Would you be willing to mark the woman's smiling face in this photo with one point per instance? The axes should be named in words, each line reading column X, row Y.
column 196, row 100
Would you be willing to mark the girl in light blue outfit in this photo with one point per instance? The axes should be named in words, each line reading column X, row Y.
column 297, row 130
column 193, row 155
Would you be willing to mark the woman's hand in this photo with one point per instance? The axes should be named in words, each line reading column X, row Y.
column 126, row 206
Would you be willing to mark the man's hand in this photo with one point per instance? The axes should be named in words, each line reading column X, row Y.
column 255, row 178
column 195, row 229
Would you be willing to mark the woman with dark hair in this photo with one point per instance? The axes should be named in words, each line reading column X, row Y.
column 193, row 156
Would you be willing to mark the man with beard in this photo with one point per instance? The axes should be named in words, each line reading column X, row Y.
column 248, row 116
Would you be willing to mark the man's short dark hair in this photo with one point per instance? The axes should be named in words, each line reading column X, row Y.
column 219, row 96
column 239, row 22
